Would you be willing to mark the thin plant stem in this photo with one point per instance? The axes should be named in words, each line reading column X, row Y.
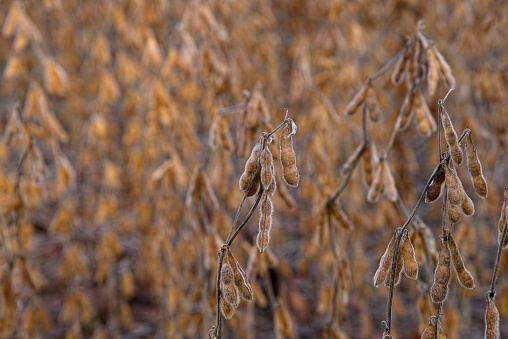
column 336, row 260
column 345, row 181
column 397, row 245
column 277, row 128
column 253, row 208
column 492, row 291
column 443, row 226
column 438, row 313
column 383, row 69
column 231, row 109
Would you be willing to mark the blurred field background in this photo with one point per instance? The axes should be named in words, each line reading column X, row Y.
column 108, row 109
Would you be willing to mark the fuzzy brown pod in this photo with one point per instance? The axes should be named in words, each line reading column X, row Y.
column 453, row 195
column 287, row 155
column 226, row 309
column 240, row 278
column 406, row 111
column 475, row 167
column 467, row 203
column 357, row 100
column 385, row 264
column 252, row 170
column 491, row 319
column 400, row 69
column 451, row 137
column 390, row 188
column 376, row 188
column 430, row 330
column 407, row 252
column 267, row 170
column 227, row 284
column 372, row 104
column 359, row 150
column 463, row 275
column 432, row 72
column 341, row 216
column 425, row 122
column 265, row 223
column 445, row 68
column 436, row 186
column 369, row 159
column 442, row 275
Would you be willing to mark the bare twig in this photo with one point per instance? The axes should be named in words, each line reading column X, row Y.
column 492, row 291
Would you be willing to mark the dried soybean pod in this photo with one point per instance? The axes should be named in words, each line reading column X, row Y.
column 227, row 309
column 463, row 275
column 451, row 137
column 432, row 72
column 467, row 203
column 227, row 284
column 475, row 167
column 255, row 184
column 453, row 195
column 445, row 68
column 399, row 267
column 357, row 100
column 241, row 281
column 267, row 175
column 406, row 111
column 265, row 223
column 430, row 330
column 372, row 103
column 341, row 216
column 287, row 155
column 442, row 275
column 376, row 188
column 252, row 168
column 491, row 319
column 385, row 263
column 436, row 186
column 407, row 252
column 400, row 69
column 369, row 160
column 390, row 189
column 352, row 158
column 425, row 123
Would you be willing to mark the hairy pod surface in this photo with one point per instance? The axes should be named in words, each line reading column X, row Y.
column 491, row 320
column 463, row 275
column 451, row 138
column 376, row 188
column 442, row 275
column 267, row 169
column 357, row 100
column 252, row 169
column 287, row 155
column 407, row 252
column 436, row 186
column 265, row 223
column 385, row 263
column 467, row 203
column 453, row 195
column 241, row 281
column 227, row 284
column 475, row 167
column 390, row 188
